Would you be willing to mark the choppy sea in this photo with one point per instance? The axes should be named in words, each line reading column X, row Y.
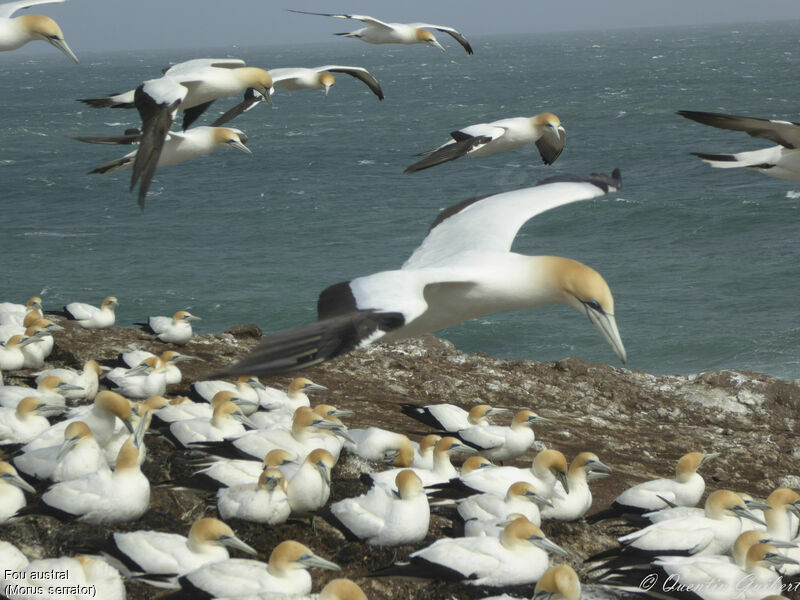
column 704, row 264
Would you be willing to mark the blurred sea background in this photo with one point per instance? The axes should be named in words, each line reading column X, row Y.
column 704, row 264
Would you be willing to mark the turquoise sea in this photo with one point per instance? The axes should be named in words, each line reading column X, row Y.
column 704, row 264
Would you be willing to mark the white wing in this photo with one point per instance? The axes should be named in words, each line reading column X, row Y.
column 6, row 10
column 368, row 21
column 189, row 67
column 491, row 223
column 81, row 311
column 159, row 324
column 134, row 357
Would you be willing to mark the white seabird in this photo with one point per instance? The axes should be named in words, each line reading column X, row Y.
column 177, row 329
column 51, row 389
column 13, row 312
column 225, row 472
column 782, row 161
column 443, row 470
column 171, row 358
column 148, row 378
column 227, row 421
column 286, row 573
column 521, row 498
column 449, row 417
column 91, row 317
column 320, row 78
column 308, row 485
column 171, row 553
column 77, row 574
column 17, row 32
column 11, row 486
column 572, row 505
column 378, row 32
column 191, row 86
column 21, row 424
column 685, row 489
column 293, row 398
column 423, row 452
column 266, row 501
column 544, row 130
column 500, row 443
column 463, row 269
column 76, row 457
column 11, row 356
column 385, row 516
column 519, row 555
column 88, row 380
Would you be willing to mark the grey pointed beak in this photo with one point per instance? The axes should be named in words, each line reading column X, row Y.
column 496, row 411
column 341, row 413
column 255, row 384
column 313, row 387
column 537, row 499
column 62, row 45
column 757, row 505
column 312, row 560
column 437, row 45
column 596, row 465
column 562, row 477
column 67, row 387
column 746, row 514
column 49, row 410
column 323, row 469
column 235, row 542
column 548, row 546
column 607, row 325
column 708, row 457
column 19, row 482
column 68, row 445
column 244, row 419
column 239, row 146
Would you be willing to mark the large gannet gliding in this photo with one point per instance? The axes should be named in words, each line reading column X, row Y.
column 378, row 32
column 483, row 139
column 320, row 78
column 782, row 161
column 463, row 269
column 21, row 30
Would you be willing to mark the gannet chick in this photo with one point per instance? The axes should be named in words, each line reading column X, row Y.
column 17, row 32
column 227, row 421
column 102, row 497
column 266, row 501
column 547, row 468
column 51, row 389
column 88, row 380
column 293, row 398
column 464, row 262
column 385, row 516
column 320, row 78
column 378, row 32
column 170, row 553
column 781, row 161
column 11, row 356
column 483, row 513
column 503, row 443
column 285, row 574
column 685, row 490
column 100, row 417
column 76, row 457
column 572, row 505
column 516, row 557
column 91, row 317
column 11, row 486
column 544, row 130
column 309, row 484
column 148, row 378
column 449, row 417
column 21, row 424
column 443, row 470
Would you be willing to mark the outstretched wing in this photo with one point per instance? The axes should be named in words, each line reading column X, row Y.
column 368, row 21
column 6, row 10
column 491, row 223
column 455, row 34
column 189, row 67
column 466, row 140
column 358, row 73
column 785, row 133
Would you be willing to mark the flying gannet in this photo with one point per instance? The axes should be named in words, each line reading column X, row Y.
column 782, row 161
column 17, row 32
column 320, row 78
column 378, row 32
column 463, row 269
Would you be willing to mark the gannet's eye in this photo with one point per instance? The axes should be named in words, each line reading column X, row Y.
column 594, row 305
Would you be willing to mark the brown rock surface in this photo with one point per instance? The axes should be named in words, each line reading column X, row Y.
column 637, row 423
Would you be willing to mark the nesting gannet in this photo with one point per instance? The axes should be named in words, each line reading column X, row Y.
column 483, row 139
column 782, row 161
column 11, row 486
column 463, row 269
column 214, row 472
column 423, row 452
column 88, row 380
column 519, row 555
column 374, row 443
column 246, row 388
column 177, row 329
column 501, row 443
column 266, row 501
column 685, row 490
column 18, row 311
column 449, row 417
column 148, row 378
column 227, row 421
column 179, row 146
column 171, row 358
column 17, row 32
column 105, row 497
column 320, row 78
column 521, row 498
column 568, row 506
column 547, row 468
column 713, row 533
column 378, row 32
column 77, row 456
column 443, row 470
column 11, row 356
column 100, row 417
column 308, row 485
column 286, row 573
column 51, row 389
column 91, row 317
column 293, row 398
column 21, row 424
column 191, row 86
column 385, row 516
column 171, row 553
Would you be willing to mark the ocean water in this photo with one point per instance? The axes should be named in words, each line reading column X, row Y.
column 704, row 264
